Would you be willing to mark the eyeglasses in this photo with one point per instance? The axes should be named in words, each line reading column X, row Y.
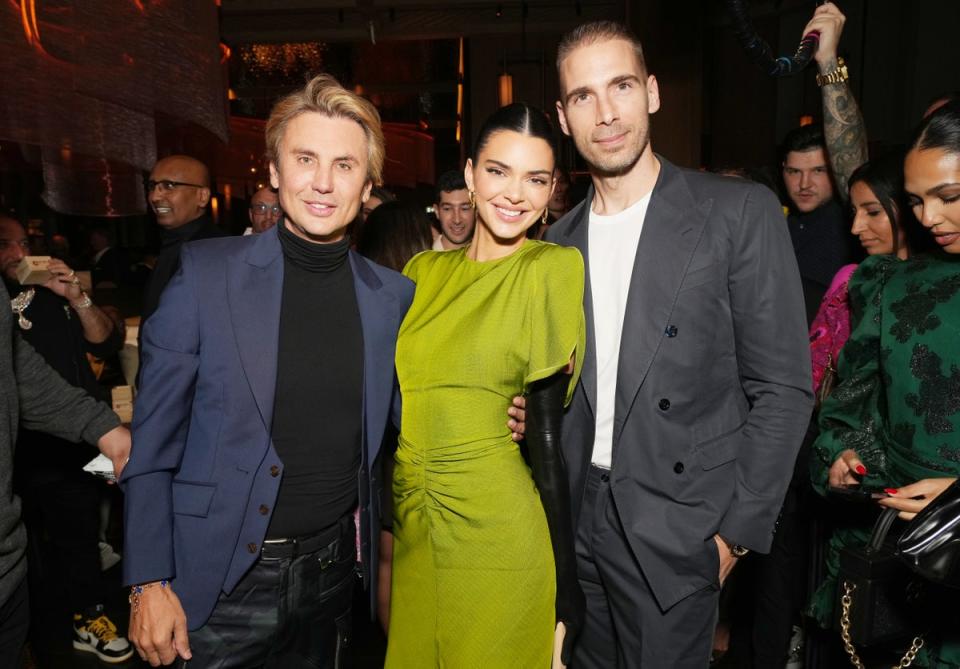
column 261, row 208
column 166, row 185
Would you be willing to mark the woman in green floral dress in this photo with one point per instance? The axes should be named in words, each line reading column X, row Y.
column 894, row 420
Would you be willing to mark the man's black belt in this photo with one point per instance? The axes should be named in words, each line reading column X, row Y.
column 327, row 538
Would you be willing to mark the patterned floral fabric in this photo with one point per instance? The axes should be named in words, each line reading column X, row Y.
column 898, row 401
column 831, row 327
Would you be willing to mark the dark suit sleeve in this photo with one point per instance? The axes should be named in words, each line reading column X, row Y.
column 168, row 370
column 774, row 365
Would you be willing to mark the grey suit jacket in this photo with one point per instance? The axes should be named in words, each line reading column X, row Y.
column 713, row 390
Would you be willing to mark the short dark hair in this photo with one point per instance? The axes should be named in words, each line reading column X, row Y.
column 382, row 194
column 599, row 31
column 804, row 138
column 518, row 117
column 940, row 130
column 884, row 177
column 393, row 233
column 449, row 181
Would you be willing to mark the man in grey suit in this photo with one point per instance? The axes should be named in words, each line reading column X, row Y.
column 695, row 393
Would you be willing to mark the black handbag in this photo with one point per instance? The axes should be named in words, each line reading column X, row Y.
column 930, row 544
column 879, row 600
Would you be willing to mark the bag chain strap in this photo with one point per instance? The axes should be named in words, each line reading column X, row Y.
column 846, row 601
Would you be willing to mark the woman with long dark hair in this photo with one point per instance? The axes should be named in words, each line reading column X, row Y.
column 894, row 419
column 884, row 225
column 483, row 567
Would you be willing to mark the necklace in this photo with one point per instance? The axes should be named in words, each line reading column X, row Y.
column 19, row 304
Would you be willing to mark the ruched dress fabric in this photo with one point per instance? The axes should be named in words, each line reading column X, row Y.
column 474, row 583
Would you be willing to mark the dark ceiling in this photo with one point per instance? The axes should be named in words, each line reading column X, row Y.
column 244, row 21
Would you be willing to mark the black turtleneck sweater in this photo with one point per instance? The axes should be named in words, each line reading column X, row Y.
column 317, row 411
column 168, row 261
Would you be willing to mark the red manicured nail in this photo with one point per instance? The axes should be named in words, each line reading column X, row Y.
column 890, row 491
column 861, row 470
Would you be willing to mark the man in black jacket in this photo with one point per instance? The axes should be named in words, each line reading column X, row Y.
column 62, row 323
column 37, row 398
column 178, row 191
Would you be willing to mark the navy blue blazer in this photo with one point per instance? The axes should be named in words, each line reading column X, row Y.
column 203, row 463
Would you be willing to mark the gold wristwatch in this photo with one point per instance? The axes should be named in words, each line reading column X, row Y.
column 834, row 76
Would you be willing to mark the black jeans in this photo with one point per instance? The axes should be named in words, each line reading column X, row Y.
column 291, row 610
column 14, row 621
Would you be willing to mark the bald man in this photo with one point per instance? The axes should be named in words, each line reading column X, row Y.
column 178, row 192
column 264, row 210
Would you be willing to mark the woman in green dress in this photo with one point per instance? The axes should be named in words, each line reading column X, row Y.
column 483, row 566
column 894, row 420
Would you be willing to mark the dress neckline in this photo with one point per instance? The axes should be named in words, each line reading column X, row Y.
column 486, row 263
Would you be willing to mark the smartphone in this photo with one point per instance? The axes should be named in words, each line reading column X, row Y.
column 857, row 493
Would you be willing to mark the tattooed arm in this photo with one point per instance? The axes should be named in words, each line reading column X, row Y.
column 843, row 127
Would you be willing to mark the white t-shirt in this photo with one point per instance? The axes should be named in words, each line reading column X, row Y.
column 612, row 247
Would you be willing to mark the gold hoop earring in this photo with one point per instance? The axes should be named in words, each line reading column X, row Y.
column 543, row 219
column 473, row 199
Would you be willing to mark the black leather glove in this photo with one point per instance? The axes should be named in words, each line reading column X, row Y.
column 544, row 415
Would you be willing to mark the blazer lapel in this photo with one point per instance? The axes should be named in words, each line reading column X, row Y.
column 379, row 322
column 576, row 236
column 254, row 290
column 671, row 231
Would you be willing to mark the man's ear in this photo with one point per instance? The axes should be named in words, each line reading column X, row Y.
column 274, row 176
column 365, row 194
column 563, row 119
column 653, row 95
column 204, row 194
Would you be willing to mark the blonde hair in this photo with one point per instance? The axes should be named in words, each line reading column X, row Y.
column 324, row 94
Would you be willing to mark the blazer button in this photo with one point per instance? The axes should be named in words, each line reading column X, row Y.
column 264, row 509
column 678, row 468
column 671, row 331
column 274, row 471
column 252, row 548
column 664, row 404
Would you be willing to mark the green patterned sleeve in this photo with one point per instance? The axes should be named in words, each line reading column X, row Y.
column 556, row 322
column 853, row 417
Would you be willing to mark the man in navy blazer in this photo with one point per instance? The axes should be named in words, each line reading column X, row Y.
column 267, row 382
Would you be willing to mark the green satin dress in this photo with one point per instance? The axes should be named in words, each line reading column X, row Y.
column 474, row 583
column 897, row 404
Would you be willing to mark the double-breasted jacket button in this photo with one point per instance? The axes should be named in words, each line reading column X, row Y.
column 252, row 548
column 671, row 331
column 274, row 471
column 264, row 509
column 664, row 404
column 678, row 468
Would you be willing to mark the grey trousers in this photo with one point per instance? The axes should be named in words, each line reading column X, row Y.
column 624, row 626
